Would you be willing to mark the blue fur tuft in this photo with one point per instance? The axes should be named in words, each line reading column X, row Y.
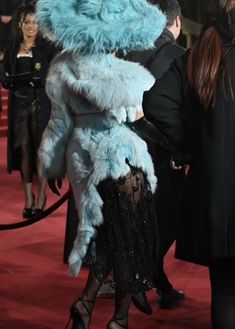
column 94, row 26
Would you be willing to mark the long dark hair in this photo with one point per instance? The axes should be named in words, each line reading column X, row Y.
column 207, row 65
column 19, row 16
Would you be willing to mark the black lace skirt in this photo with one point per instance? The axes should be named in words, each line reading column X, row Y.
column 127, row 242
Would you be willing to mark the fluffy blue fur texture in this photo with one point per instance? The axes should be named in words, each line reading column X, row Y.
column 94, row 26
column 92, row 98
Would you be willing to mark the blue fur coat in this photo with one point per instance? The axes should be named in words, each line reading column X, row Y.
column 92, row 98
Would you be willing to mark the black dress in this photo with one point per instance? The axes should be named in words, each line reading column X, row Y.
column 42, row 54
column 24, row 95
column 127, row 242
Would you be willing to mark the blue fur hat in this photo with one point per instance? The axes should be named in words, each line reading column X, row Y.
column 95, row 26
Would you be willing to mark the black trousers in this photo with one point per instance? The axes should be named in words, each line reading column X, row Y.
column 169, row 197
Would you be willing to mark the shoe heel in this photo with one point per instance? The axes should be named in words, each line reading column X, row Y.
column 76, row 317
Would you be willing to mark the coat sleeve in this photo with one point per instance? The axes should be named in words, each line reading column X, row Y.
column 52, row 150
column 164, row 104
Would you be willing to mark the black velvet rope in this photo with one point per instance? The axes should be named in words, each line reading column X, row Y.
column 46, row 213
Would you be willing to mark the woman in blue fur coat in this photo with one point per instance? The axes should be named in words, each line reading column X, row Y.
column 94, row 94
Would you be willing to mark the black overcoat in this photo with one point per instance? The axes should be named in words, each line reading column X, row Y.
column 43, row 53
column 170, row 183
column 207, row 226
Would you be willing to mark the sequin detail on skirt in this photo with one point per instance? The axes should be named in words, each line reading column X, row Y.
column 127, row 242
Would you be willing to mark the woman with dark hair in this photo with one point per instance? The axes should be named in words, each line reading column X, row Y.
column 194, row 105
column 26, row 63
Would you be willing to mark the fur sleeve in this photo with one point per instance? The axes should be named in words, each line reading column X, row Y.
column 56, row 135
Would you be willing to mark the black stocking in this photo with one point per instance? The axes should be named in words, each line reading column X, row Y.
column 28, row 148
column 122, row 305
column 94, row 281
column 223, row 296
column 26, row 160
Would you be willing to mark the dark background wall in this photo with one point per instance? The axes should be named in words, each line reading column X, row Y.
column 194, row 9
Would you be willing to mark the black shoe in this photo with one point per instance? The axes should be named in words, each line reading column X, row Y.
column 170, row 299
column 39, row 211
column 76, row 317
column 140, row 301
column 117, row 322
column 28, row 213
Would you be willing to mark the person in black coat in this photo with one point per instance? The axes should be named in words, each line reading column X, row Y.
column 194, row 105
column 7, row 9
column 26, row 63
column 170, row 183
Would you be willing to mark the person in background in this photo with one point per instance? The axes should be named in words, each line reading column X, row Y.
column 94, row 93
column 26, row 62
column 7, row 9
column 170, row 183
column 198, row 115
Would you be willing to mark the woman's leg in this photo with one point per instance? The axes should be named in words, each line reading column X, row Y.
column 27, row 171
column 122, row 304
column 28, row 192
column 222, row 279
column 85, row 304
column 41, row 198
column 42, row 181
column 97, row 274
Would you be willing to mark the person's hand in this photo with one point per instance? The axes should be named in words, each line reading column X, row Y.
column 179, row 161
column 174, row 166
column 55, row 185
column 7, row 82
column 36, row 81
column 5, row 19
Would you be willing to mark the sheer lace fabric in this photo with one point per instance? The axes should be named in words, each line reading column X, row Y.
column 127, row 241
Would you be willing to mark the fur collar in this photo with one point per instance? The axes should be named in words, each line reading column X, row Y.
column 92, row 76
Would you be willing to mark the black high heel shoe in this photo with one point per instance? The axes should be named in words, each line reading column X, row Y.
column 118, row 323
column 29, row 212
column 76, row 317
column 39, row 211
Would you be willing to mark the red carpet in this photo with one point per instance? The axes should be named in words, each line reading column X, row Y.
column 36, row 291
column 3, row 115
